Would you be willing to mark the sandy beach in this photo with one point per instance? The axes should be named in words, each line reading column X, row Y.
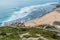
column 46, row 19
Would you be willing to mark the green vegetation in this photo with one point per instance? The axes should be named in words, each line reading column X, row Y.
column 11, row 33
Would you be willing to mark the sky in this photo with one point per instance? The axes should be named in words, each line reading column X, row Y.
column 8, row 7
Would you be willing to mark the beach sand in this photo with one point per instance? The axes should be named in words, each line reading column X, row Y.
column 46, row 19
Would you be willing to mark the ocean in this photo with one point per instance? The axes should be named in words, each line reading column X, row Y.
column 13, row 9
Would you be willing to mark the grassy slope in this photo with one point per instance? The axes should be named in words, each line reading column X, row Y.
column 10, row 33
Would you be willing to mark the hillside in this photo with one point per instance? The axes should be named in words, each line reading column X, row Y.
column 35, row 33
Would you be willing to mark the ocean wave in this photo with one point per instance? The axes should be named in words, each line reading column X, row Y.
column 23, row 12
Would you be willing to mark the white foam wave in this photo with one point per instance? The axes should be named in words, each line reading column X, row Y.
column 26, row 11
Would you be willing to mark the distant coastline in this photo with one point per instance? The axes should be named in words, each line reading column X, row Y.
column 33, row 15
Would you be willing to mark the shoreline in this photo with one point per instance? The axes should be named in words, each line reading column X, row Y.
column 47, row 19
